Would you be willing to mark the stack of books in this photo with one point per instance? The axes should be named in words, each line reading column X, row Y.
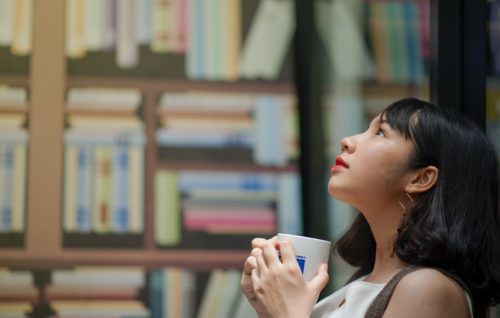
column 104, row 161
column 13, row 158
column 18, row 294
column 97, row 292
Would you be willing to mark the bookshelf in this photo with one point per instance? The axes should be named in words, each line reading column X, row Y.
column 46, row 248
column 49, row 79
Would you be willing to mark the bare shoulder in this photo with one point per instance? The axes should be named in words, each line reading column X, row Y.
column 428, row 293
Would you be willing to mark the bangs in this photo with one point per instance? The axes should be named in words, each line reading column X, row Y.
column 402, row 116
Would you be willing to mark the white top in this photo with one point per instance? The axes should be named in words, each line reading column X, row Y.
column 358, row 297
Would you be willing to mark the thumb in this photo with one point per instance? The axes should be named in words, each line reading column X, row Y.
column 321, row 279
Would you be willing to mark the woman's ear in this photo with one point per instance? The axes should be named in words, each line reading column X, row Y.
column 422, row 180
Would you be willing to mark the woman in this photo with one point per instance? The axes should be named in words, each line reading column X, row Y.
column 426, row 241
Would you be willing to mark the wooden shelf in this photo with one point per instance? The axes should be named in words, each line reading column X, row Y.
column 172, row 85
column 14, row 80
column 225, row 167
column 190, row 259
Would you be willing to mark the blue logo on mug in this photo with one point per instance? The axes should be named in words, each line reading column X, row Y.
column 302, row 261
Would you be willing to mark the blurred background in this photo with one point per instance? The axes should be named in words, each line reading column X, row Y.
column 143, row 144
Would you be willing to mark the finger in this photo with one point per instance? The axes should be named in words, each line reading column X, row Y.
column 321, row 279
column 270, row 254
column 250, row 264
column 255, row 251
column 261, row 263
column 258, row 242
column 286, row 252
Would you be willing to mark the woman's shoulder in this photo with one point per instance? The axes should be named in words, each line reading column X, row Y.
column 428, row 292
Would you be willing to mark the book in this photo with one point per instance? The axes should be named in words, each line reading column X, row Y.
column 228, row 181
column 16, row 278
column 101, row 207
column 99, row 276
column 377, row 21
column 268, row 40
column 107, row 98
column 70, row 187
column 289, row 204
column 127, row 49
column 162, row 20
column 143, row 13
column 13, row 97
column 95, row 14
column 75, row 29
column 6, row 22
column 196, row 42
column 221, row 294
column 19, row 188
column 206, row 102
column 23, row 28
column 6, row 179
column 120, row 209
column 136, row 188
column 53, row 293
column 100, row 308
column 167, row 209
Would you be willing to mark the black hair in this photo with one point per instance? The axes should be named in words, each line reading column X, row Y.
column 454, row 226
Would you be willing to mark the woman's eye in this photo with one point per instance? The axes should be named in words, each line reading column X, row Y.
column 380, row 132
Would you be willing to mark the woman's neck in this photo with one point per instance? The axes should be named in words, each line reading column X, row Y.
column 384, row 228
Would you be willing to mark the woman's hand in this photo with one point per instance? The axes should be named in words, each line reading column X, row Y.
column 277, row 288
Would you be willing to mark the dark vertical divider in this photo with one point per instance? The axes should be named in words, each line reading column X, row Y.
column 458, row 61
column 309, row 80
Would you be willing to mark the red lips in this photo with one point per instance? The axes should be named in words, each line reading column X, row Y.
column 339, row 164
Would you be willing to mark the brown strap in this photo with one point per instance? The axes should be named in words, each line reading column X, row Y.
column 379, row 305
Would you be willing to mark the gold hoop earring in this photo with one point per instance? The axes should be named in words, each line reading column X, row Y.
column 405, row 212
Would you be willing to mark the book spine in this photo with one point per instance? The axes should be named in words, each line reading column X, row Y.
column 75, row 28
column 84, row 183
column 167, row 208
column 102, row 189
column 196, row 40
column 120, row 189
column 70, row 188
column 8, row 173
column 127, row 50
column 136, row 188
column 6, row 22
column 161, row 24
column 19, row 188
column 143, row 17
column 23, row 27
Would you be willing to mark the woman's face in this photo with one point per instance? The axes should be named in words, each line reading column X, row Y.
column 372, row 167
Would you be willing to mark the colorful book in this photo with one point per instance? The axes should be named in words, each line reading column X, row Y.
column 167, row 209
column 162, row 20
column 101, row 207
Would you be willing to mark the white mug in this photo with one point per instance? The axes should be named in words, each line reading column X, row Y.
column 309, row 252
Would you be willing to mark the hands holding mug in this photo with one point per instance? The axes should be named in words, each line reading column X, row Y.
column 277, row 287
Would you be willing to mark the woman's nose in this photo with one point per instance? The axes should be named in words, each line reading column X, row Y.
column 347, row 145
